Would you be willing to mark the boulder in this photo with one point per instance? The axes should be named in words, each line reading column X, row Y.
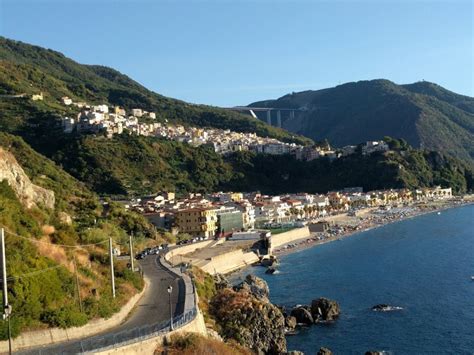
column 271, row 270
column 272, row 261
column 323, row 309
column 302, row 315
column 295, row 352
column 256, row 286
column 324, row 351
column 290, row 322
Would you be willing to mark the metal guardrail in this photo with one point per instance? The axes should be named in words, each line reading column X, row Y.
column 125, row 337
column 134, row 335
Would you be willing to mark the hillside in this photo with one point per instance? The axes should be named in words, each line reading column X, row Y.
column 44, row 235
column 424, row 114
column 401, row 167
column 31, row 69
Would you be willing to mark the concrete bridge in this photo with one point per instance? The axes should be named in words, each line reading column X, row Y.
column 268, row 110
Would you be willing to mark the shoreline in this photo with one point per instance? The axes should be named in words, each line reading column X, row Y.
column 312, row 241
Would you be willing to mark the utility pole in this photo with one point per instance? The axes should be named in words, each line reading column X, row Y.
column 170, row 289
column 112, row 277
column 7, row 309
column 77, row 284
column 131, row 252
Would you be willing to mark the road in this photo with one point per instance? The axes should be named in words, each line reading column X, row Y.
column 152, row 308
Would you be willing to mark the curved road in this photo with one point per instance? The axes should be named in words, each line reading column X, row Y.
column 152, row 308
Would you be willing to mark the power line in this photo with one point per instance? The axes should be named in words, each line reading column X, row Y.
column 33, row 273
column 49, row 243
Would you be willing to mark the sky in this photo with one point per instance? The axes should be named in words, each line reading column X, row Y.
column 228, row 53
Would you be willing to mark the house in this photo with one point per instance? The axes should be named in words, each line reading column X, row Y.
column 199, row 222
column 374, row 146
column 229, row 220
column 66, row 100
column 37, row 97
column 137, row 112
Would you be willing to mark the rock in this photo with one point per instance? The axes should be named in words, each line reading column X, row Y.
column 256, row 286
column 221, row 282
column 64, row 218
column 302, row 315
column 29, row 194
column 382, row 307
column 295, row 352
column 324, row 309
column 324, row 351
column 271, row 270
column 290, row 322
column 372, row 352
column 253, row 322
column 272, row 261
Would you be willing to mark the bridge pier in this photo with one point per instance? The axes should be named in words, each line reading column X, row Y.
column 269, row 117
column 279, row 118
column 292, row 115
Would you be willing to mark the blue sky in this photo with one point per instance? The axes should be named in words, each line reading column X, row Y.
column 228, row 53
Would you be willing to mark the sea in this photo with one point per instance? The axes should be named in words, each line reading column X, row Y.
column 422, row 265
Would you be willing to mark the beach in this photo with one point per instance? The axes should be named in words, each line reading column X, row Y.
column 343, row 226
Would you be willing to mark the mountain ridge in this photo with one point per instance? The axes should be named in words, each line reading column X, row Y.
column 423, row 113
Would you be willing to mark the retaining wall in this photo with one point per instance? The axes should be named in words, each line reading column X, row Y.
column 228, row 262
column 289, row 237
column 149, row 346
column 57, row 335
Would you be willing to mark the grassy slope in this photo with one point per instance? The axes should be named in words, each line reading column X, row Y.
column 48, row 299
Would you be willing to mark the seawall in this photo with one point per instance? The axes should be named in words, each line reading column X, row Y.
column 228, row 262
column 289, row 237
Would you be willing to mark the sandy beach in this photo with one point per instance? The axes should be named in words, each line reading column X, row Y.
column 343, row 225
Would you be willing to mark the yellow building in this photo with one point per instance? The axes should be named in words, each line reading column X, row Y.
column 199, row 222
column 236, row 196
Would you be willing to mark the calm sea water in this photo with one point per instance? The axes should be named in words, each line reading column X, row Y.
column 422, row 264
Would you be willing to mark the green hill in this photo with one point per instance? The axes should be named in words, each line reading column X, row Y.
column 424, row 114
column 402, row 167
column 31, row 69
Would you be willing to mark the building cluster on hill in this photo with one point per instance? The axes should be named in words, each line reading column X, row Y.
column 222, row 213
column 115, row 120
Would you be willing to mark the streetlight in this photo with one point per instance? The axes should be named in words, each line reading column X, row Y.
column 170, row 289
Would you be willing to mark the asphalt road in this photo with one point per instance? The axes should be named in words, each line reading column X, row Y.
column 153, row 307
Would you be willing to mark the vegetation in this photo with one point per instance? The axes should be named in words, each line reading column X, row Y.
column 194, row 344
column 407, row 167
column 31, row 69
column 42, row 290
column 424, row 114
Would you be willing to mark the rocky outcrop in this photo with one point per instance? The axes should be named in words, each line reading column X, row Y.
column 290, row 322
column 302, row 315
column 255, row 323
column 256, row 286
column 324, row 351
column 323, row 309
column 30, row 195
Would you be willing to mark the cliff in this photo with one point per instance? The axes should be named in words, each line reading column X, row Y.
column 28, row 193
